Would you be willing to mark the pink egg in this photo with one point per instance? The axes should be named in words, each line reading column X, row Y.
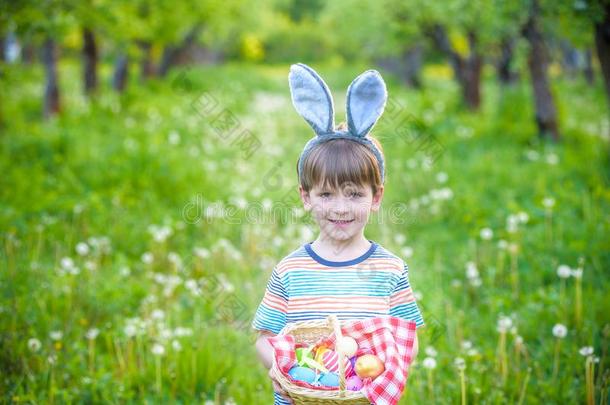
column 330, row 359
column 354, row 383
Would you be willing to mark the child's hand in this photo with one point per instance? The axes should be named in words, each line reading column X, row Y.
column 278, row 388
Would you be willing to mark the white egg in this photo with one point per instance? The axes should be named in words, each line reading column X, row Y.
column 347, row 346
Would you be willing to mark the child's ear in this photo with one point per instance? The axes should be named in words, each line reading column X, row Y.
column 305, row 198
column 377, row 197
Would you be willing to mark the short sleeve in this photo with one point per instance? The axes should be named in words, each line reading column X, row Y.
column 271, row 313
column 402, row 300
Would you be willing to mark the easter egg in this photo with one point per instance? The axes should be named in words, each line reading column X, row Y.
column 329, row 379
column 303, row 353
column 369, row 366
column 330, row 359
column 346, row 345
column 354, row 383
column 320, row 352
column 302, row 374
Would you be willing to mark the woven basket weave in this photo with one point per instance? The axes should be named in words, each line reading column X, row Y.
column 309, row 332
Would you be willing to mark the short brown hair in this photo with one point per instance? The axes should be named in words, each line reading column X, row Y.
column 338, row 161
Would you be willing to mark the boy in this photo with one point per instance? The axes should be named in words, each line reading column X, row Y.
column 341, row 176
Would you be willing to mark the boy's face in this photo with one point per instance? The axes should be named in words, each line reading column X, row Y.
column 341, row 213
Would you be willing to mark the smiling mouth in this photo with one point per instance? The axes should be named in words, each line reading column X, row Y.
column 341, row 222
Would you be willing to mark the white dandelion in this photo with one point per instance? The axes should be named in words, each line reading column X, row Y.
column 92, row 333
column 430, row 351
column 564, row 271
column 158, row 349
column 429, row 363
column 548, row 203
column 82, row 249
column 147, row 258
column 560, row 331
column 34, row 344
column 56, row 335
column 586, row 351
column 407, row 252
column 486, row 233
column 460, row 363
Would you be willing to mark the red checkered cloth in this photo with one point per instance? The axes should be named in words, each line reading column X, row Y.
column 390, row 338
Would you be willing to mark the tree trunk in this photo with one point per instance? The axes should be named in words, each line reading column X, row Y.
column 2, row 48
column 546, row 114
column 51, row 93
column 602, row 44
column 413, row 61
column 121, row 72
column 171, row 53
column 471, row 74
column 467, row 70
column 89, row 61
column 570, row 60
column 588, row 68
column 28, row 53
column 503, row 66
column 147, row 69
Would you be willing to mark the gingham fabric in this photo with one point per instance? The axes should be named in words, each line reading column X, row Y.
column 390, row 338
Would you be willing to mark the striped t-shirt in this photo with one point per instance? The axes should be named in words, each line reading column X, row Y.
column 304, row 286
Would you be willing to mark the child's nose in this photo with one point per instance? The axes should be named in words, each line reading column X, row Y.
column 341, row 205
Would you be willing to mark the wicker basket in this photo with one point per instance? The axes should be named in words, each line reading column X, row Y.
column 310, row 332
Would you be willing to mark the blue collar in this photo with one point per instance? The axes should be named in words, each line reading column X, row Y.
column 330, row 263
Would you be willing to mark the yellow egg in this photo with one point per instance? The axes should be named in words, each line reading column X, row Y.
column 369, row 366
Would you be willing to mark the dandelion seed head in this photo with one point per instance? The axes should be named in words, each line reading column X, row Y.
column 92, row 333
column 56, row 335
column 147, row 258
column 548, row 203
column 564, row 271
column 430, row 351
column 34, row 344
column 158, row 349
column 429, row 363
column 82, row 249
column 407, row 252
column 576, row 273
column 442, row 177
column 560, row 331
column 504, row 324
column 586, row 351
column 486, row 233
column 460, row 363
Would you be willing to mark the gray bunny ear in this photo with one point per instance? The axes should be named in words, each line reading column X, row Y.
column 366, row 97
column 311, row 98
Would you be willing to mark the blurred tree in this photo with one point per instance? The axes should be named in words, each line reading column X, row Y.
column 45, row 23
column 386, row 32
column 546, row 112
column 601, row 22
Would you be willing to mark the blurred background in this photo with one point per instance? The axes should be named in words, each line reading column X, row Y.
column 148, row 187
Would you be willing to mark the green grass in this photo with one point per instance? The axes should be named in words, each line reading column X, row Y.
column 112, row 167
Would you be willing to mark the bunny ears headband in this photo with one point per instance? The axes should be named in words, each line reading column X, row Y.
column 366, row 98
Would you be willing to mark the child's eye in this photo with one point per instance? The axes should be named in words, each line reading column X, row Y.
column 324, row 194
column 356, row 194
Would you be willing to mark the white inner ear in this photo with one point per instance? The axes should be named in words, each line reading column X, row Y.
column 311, row 98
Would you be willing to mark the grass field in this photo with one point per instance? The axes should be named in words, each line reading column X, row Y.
column 139, row 231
